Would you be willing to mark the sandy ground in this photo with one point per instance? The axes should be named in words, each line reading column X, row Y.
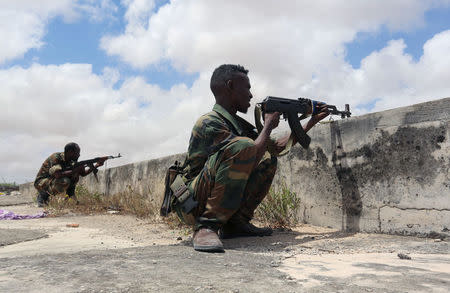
column 118, row 253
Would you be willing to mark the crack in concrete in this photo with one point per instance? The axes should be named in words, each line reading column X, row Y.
column 403, row 209
column 415, row 209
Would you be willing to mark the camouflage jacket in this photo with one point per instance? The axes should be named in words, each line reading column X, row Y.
column 53, row 163
column 211, row 132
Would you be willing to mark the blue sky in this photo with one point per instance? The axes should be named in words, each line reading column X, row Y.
column 132, row 76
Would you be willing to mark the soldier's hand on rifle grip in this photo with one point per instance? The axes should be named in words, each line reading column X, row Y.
column 78, row 170
column 272, row 119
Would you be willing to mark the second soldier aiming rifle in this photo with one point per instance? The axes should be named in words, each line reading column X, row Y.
column 90, row 163
column 291, row 109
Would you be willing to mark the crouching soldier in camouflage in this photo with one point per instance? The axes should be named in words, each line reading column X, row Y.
column 56, row 176
column 227, row 169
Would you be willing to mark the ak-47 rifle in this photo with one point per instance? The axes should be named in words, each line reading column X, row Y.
column 291, row 109
column 90, row 163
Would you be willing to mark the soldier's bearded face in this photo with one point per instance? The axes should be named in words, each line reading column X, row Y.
column 242, row 94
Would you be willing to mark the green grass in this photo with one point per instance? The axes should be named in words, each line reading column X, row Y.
column 279, row 208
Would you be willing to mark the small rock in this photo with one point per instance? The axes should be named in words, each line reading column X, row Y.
column 274, row 264
column 434, row 235
column 179, row 238
column 403, row 256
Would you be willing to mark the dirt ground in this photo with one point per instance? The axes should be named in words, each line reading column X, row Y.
column 119, row 253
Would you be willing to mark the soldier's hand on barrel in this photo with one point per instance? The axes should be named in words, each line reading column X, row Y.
column 324, row 112
column 101, row 161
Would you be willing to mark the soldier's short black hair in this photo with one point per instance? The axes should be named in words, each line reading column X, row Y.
column 71, row 146
column 223, row 73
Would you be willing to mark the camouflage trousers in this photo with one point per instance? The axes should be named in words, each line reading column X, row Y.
column 230, row 185
column 54, row 186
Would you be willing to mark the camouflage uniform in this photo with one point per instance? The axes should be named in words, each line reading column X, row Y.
column 45, row 182
column 220, row 169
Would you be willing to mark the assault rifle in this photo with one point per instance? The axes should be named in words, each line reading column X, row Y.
column 90, row 163
column 291, row 109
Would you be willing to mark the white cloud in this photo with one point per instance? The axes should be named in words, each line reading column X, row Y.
column 48, row 106
column 293, row 49
column 96, row 10
column 197, row 34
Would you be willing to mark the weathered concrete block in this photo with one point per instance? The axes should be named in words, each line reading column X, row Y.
column 398, row 158
column 414, row 221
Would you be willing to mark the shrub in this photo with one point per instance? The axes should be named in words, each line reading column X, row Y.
column 279, row 208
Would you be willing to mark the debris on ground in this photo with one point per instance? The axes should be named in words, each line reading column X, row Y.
column 7, row 215
column 403, row 256
column 73, row 225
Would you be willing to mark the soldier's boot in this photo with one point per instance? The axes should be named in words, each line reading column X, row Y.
column 242, row 228
column 207, row 240
column 42, row 199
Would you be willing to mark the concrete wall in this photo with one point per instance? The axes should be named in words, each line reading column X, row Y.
column 382, row 172
column 146, row 177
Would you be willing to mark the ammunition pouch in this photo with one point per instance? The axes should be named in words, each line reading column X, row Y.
column 177, row 196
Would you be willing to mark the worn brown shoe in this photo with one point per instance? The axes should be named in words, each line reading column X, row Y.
column 207, row 240
column 243, row 229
